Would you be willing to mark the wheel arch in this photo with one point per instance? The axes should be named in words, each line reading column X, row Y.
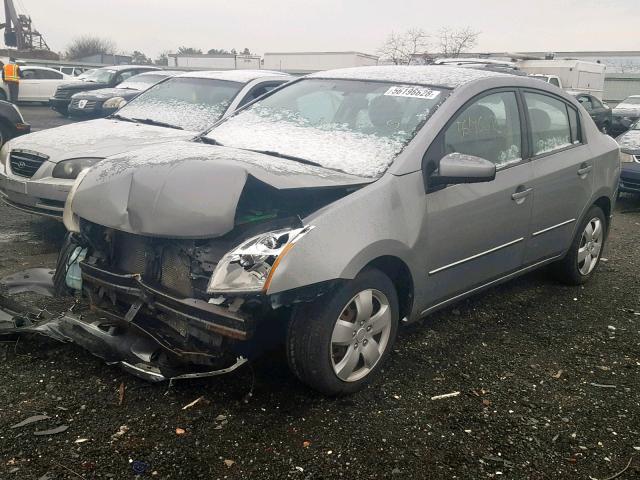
column 605, row 204
column 400, row 275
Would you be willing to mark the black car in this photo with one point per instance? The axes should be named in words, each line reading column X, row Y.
column 106, row 77
column 600, row 112
column 105, row 101
column 11, row 122
column 630, row 160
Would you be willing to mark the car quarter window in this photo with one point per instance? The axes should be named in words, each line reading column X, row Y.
column 488, row 128
column 551, row 129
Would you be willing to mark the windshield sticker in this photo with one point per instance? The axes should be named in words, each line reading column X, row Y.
column 412, row 92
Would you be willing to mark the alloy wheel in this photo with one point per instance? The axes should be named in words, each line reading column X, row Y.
column 360, row 335
column 590, row 246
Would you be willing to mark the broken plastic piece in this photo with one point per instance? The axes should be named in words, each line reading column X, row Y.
column 35, row 280
column 52, row 431
column 30, row 420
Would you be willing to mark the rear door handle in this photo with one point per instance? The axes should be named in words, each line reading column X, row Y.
column 584, row 170
column 521, row 194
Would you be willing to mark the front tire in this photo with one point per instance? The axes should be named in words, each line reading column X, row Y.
column 583, row 257
column 338, row 344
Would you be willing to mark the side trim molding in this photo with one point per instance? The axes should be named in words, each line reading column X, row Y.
column 477, row 255
column 548, row 229
column 488, row 284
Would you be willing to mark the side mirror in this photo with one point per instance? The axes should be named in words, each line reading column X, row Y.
column 460, row 168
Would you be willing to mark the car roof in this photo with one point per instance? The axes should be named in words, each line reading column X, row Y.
column 38, row 67
column 160, row 73
column 436, row 75
column 117, row 68
column 242, row 76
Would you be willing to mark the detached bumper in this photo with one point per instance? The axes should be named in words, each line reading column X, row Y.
column 191, row 312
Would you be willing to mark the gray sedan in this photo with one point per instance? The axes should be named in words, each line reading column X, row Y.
column 333, row 210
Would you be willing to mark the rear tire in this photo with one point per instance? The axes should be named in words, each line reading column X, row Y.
column 583, row 257
column 338, row 344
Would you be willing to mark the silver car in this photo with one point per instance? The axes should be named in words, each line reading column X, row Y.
column 38, row 170
column 333, row 210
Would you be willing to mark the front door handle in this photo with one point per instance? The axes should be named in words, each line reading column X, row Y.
column 521, row 194
column 584, row 170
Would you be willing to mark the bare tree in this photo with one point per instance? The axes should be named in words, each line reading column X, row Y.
column 455, row 42
column 87, row 45
column 163, row 58
column 139, row 58
column 405, row 48
column 189, row 51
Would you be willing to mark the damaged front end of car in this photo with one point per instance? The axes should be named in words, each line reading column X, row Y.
column 181, row 307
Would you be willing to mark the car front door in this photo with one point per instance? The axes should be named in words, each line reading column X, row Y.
column 29, row 85
column 475, row 233
column 49, row 81
column 563, row 174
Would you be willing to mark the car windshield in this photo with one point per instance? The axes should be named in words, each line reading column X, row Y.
column 142, row 81
column 188, row 103
column 357, row 127
column 99, row 75
column 632, row 100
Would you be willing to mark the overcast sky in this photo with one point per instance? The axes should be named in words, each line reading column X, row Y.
column 153, row 26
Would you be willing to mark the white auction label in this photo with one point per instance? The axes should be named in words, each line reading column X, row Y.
column 412, row 91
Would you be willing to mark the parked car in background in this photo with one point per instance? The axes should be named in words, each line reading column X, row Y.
column 12, row 123
column 598, row 111
column 37, row 171
column 86, row 73
column 105, row 101
column 37, row 84
column 550, row 79
column 630, row 159
column 625, row 114
column 331, row 209
column 106, row 77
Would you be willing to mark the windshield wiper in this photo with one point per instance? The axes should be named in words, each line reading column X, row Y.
column 209, row 141
column 287, row 157
column 150, row 121
column 120, row 117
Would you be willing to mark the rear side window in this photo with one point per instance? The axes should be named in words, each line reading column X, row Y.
column 549, row 121
column 489, row 128
column 47, row 75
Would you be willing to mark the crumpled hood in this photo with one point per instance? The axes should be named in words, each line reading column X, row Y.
column 107, row 93
column 187, row 189
column 630, row 141
column 96, row 138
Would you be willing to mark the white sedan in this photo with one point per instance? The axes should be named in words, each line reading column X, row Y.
column 37, row 84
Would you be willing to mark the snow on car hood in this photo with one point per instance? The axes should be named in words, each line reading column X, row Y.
column 106, row 93
column 630, row 141
column 96, row 138
column 187, row 189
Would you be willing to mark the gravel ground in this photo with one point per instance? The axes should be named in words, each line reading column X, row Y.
column 530, row 359
column 548, row 377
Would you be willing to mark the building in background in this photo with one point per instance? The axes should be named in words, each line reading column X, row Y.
column 300, row 63
column 214, row 62
column 106, row 59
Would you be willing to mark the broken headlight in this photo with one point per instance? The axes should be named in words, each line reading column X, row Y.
column 249, row 267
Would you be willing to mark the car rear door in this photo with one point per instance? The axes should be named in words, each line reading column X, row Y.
column 563, row 173
column 475, row 233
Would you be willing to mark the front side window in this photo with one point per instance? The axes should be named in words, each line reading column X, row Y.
column 549, row 121
column 184, row 102
column 489, row 128
column 585, row 102
column 354, row 126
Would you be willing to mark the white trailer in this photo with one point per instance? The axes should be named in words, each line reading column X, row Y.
column 575, row 75
column 308, row 62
